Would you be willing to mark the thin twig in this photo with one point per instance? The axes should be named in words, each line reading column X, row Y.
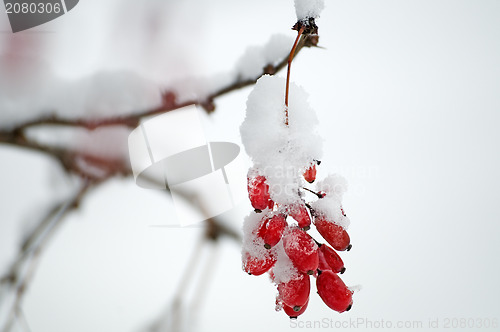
column 31, row 251
column 289, row 62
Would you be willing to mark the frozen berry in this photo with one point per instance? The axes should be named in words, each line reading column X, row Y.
column 258, row 192
column 334, row 234
column 333, row 291
column 302, row 250
column 295, row 292
column 272, row 229
column 258, row 265
column 330, row 260
column 310, row 174
column 299, row 213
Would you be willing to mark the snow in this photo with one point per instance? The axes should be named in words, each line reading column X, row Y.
column 283, row 270
column 42, row 93
column 308, row 8
column 330, row 206
column 252, row 244
column 281, row 153
column 113, row 92
column 333, row 184
column 251, row 64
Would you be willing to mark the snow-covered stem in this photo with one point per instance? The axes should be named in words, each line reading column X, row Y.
column 132, row 120
column 289, row 62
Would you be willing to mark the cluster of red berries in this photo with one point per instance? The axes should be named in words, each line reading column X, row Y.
column 272, row 234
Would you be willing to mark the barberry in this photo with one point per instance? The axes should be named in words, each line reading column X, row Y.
column 299, row 213
column 258, row 192
column 310, row 174
column 302, row 250
column 295, row 293
column 334, row 234
column 330, row 260
column 333, row 291
column 271, row 229
column 257, row 265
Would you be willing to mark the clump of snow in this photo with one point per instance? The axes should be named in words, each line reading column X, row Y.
column 277, row 48
column 253, row 244
column 330, row 206
column 308, row 8
column 283, row 270
column 248, row 67
column 333, row 184
column 251, row 64
column 280, row 152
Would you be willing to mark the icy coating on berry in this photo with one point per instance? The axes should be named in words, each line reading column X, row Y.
column 281, row 153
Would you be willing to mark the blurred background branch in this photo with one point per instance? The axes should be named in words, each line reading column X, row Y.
column 77, row 161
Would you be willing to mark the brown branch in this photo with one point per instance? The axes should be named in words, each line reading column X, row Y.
column 169, row 104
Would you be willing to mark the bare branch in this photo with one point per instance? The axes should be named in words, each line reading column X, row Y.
column 23, row 268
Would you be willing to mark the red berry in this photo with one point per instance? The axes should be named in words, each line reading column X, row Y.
column 302, row 250
column 330, row 260
column 334, row 234
column 258, row 192
column 310, row 174
column 292, row 313
column 333, row 291
column 257, row 266
column 272, row 229
column 295, row 292
column 299, row 213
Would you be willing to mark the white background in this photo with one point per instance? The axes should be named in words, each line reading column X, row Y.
column 407, row 93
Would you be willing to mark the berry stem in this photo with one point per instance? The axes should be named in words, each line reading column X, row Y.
column 290, row 58
column 320, row 194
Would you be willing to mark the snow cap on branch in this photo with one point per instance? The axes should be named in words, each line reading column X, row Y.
column 308, row 8
column 251, row 64
column 280, row 152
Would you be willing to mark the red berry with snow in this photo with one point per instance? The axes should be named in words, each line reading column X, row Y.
column 295, row 293
column 330, row 260
column 333, row 291
column 258, row 192
column 272, row 229
column 299, row 213
column 334, row 234
column 302, row 250
column 291, row 311
column 310, row 174
column 258, row 265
